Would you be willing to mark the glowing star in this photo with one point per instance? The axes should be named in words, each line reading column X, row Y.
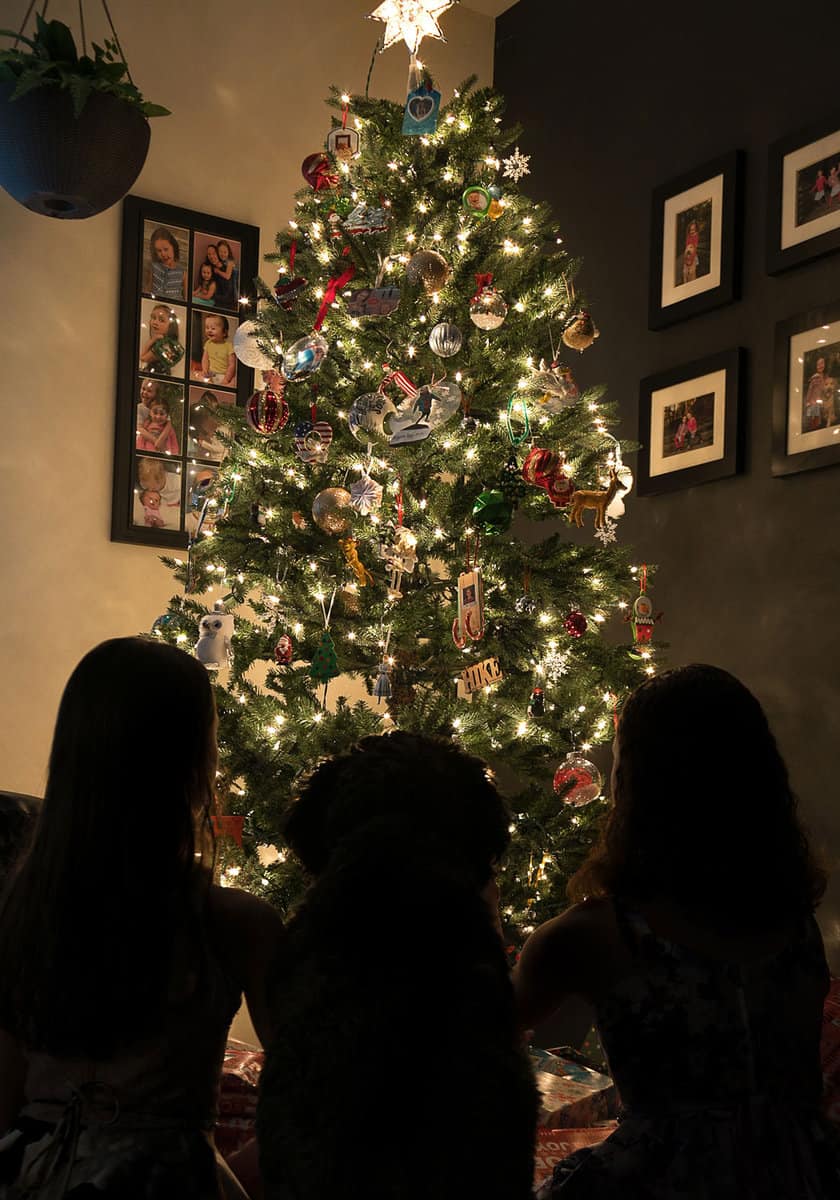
column 516, row 166
column 411, row 20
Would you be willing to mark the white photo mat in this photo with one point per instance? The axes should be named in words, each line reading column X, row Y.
column 678, row 393
column 710, row 189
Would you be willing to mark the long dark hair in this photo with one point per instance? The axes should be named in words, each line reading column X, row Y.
column 120, row 854
column 703, row 813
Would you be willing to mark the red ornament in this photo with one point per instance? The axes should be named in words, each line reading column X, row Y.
column 317, row 171
column 642, row 619
column 577, row 780
column 267, row 412
column 575, row 624
column 544, row 469
column 283, row 650
column 288, row 288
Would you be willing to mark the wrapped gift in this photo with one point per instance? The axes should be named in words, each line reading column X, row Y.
column 830, row 1053
column 241, row 1069
column 571, row 1095
column 553, row 1145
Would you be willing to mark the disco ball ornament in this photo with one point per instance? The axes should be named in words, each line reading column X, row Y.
column 267, row 412
column 575, row 624
column 332, row 510
column 488, row 310
column 492, row 511
column 577, row 781
column 429, row 268
column 246, row 349
column 525, row 605
column 366, row 417
column 445, row 339
column 304, row 356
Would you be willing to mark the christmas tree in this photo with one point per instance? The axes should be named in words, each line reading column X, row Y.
column 418, row 497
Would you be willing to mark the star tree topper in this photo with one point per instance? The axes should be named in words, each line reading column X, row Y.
column 411, row 20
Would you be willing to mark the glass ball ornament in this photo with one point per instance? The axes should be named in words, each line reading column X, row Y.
column 304, row 356
column 332, row 511
column 246, row 349
column 429, row 268
column 492, row 511
column 488, row 309
column 267, row 412
column 445, row 339
column 577, row 781
column 366, row 417
column 575, row 624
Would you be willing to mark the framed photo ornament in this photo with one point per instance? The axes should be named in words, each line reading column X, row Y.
column 806, row 392
column 696, row 241
column 803, row 194
column 690, row 424
column 187, row 286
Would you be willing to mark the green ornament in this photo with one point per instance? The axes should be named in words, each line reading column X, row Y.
column 325, row 663
column 492, row 511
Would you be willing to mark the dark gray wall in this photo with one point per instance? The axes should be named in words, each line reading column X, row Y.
column 616, row 99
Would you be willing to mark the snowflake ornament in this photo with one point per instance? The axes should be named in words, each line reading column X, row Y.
column 606, row 534
column 411, row 20
column 516, row 166
column 555, row 665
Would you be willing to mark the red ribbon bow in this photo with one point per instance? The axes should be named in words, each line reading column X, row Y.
column 334, row 285
column 482, row 282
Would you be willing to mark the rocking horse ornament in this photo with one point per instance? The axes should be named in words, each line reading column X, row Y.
column 596, row 500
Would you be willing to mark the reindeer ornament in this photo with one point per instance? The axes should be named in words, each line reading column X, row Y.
column 596, row 500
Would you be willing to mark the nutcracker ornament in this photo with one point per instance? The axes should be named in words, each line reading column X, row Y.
column 536, row 707
column 642, row 619
column 400, row 557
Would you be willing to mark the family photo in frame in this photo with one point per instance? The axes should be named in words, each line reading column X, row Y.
column 806, row 392
column 690, row 424
column 695, row 230
column 187, row 281
column 803, row 213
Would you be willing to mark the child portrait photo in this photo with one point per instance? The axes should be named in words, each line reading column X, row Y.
column 818, row 190
column 157, row 493
column 216, row 265
column 212, row 360
column 160, row 344
column 200, row 481
column 806, row 392
column 165, row 261
column 688, row 425
column 206, row 423
column 160, row 416
column 693, row 244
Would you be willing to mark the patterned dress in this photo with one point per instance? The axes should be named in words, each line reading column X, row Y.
column 718, row 1070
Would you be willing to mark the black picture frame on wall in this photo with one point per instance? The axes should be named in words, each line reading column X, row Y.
column 806, row 391
column 803, row 216
column 187, row 283
column 696, row 241
column 691, row 424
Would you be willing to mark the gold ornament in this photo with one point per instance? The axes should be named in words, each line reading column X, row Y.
column 332, row 510
column 429, row 268
column 351, row 552
column 495, row 210
column 580, row 333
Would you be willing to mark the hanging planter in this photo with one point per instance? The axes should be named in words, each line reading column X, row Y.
column 74, row 132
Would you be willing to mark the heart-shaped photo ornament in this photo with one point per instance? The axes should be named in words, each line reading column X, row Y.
column 422, row 106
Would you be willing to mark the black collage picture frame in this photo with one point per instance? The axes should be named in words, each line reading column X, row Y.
column 187, row 284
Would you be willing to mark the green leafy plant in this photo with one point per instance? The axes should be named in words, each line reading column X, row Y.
column 52, row 60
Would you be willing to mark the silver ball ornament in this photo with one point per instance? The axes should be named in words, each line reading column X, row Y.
column 445, row 339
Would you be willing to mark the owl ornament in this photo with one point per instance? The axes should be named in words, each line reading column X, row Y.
column 214, row 647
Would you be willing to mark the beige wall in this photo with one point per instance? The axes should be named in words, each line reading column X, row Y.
column 245, row 84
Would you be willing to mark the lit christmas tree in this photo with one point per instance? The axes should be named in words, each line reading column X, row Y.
column 378, row 511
